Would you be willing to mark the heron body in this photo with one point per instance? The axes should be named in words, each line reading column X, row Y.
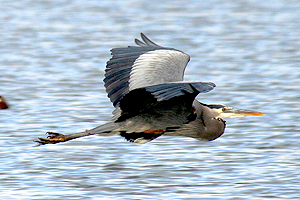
column 145, row 85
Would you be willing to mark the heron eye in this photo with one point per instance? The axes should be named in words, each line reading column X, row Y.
column 223, row 109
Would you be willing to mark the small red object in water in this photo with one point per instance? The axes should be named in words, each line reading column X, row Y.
column 3, row 105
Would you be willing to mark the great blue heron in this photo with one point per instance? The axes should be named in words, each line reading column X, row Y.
column 145, row 84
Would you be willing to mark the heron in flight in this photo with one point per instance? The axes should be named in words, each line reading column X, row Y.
column 145, row 85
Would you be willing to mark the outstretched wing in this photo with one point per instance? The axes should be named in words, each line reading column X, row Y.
column 140, row 66
column 168, row 97
column 168, row 91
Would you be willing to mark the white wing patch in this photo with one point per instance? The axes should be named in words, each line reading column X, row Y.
column 157, row 67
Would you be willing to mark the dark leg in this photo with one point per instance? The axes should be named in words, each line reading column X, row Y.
column 54, row 138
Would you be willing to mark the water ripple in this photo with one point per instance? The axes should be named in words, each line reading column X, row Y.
column 53, row 57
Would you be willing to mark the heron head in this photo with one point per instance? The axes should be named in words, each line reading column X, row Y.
column 222, row 111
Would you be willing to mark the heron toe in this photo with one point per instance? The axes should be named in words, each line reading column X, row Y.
column 52, row 138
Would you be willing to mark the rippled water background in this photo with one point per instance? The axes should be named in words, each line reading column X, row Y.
column 52, row 58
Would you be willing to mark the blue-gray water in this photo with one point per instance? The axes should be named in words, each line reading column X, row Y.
column 52, row 58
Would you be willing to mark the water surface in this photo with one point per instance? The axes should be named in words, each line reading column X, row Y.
column 53, row 55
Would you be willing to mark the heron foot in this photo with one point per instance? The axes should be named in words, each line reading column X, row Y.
column 52, row 138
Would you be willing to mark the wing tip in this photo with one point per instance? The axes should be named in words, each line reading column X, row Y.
column 146, row 41
column 139, row 42
column 202, row 87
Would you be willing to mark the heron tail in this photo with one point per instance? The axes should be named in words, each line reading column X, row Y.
column 106, row 129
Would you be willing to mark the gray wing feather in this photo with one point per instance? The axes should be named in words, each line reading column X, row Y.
column 118, row 68
column 157, row 98
column 148, row 41
column 169, row 90
column 140, row 43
